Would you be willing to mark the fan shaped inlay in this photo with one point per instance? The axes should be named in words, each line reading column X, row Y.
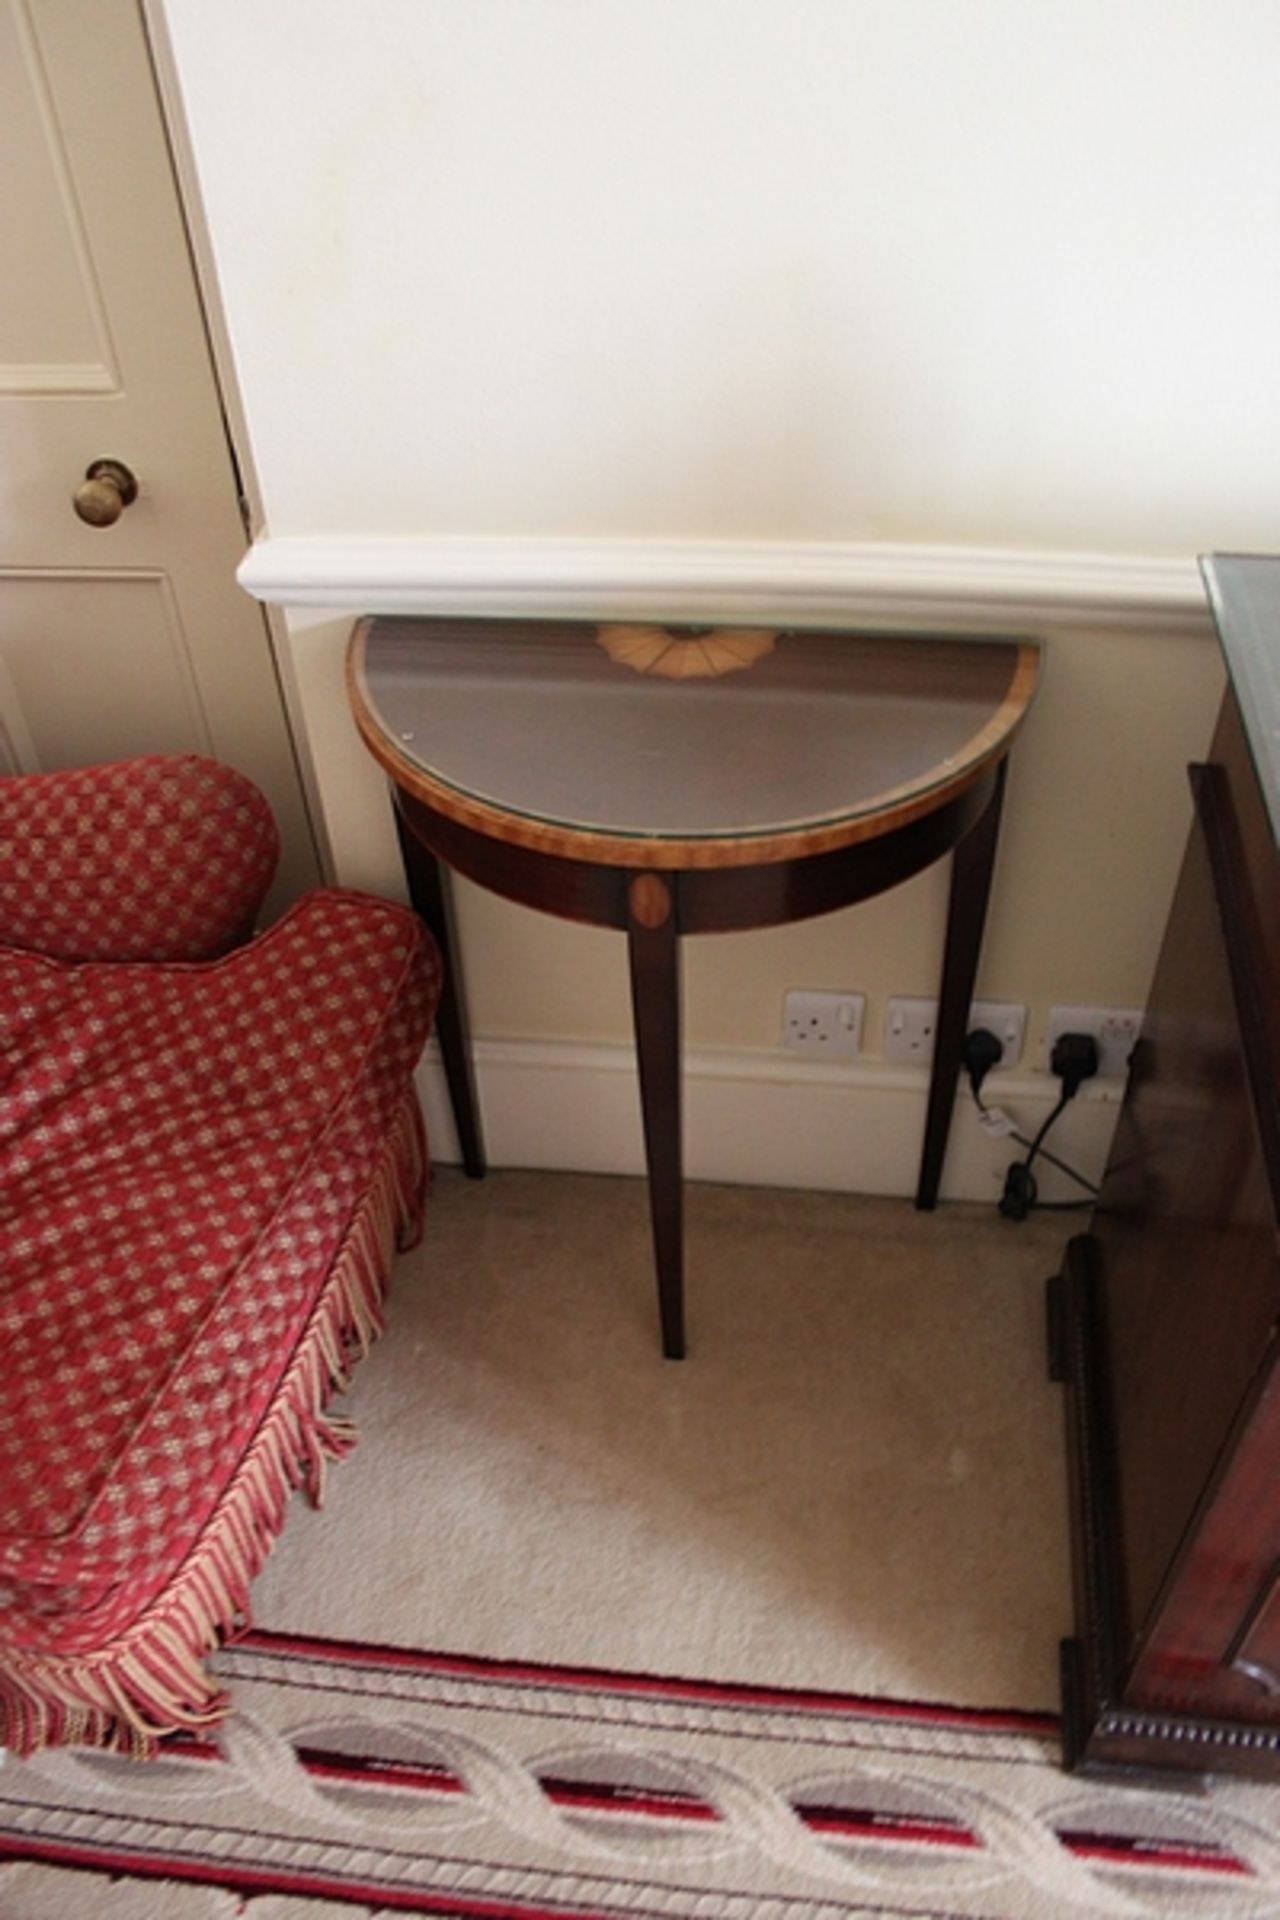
column 678, row 654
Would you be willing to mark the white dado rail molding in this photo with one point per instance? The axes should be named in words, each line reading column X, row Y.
column 797, row 583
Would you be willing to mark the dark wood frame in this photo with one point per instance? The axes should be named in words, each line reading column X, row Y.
column 1104, row 1730
column 1164, row 1673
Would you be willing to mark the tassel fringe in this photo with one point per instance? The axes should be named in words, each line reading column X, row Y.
column 152, row 1679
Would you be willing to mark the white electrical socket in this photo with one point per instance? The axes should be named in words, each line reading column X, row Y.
column 1114, row 1028
column 823, row 1025
column 909, row 1028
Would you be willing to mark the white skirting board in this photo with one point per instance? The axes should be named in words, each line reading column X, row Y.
column 758, row 1119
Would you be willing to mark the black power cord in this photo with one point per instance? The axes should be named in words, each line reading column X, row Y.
column 1074, row 1060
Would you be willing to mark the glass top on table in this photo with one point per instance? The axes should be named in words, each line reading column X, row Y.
column 656, row 733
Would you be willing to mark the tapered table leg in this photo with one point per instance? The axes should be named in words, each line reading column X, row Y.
column 972, row 865
column 654, row 951
column 428, row 890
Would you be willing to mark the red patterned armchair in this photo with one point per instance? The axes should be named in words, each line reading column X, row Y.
column 209, row 1145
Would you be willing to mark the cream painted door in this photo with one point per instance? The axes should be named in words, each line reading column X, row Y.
column 129, row 638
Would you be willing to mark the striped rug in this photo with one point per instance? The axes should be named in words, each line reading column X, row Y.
column 358, row 1779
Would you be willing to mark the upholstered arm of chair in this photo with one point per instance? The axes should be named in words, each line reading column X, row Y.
column 166, row 857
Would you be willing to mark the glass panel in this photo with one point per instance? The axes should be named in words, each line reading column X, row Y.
column 660, row 732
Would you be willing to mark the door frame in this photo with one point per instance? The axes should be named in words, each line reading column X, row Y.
column 239, row 446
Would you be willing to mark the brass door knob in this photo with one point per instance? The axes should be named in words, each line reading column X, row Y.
column 107, row 489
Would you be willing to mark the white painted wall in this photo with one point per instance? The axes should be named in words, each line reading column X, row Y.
column 937, row 270
column 943, row 273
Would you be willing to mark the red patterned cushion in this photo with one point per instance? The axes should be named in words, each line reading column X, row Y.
column 181, row 1150
column 161, row 858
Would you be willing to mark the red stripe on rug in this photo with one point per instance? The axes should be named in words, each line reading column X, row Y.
column 859, row 1824
column 651, row 1804
column 184, row 1745
column 1138, row 1851
column 358, row 1770
column 653, row 1686
column 367, row 1770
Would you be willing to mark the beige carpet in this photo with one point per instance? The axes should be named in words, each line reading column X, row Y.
column 854, row 1483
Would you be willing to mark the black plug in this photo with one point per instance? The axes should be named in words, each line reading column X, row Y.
column 1020, row 1191
column 1074, row 1059
column 980, row 1053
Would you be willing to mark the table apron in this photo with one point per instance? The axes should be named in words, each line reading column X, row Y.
column 708, row 899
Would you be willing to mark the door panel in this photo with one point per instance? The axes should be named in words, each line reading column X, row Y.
column 70, row 630
column 53, row 329
column 132, row 637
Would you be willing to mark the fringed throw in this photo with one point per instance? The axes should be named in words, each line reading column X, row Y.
column 151, row 1679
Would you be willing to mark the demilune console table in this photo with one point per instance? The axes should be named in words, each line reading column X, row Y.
column 672, row 780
